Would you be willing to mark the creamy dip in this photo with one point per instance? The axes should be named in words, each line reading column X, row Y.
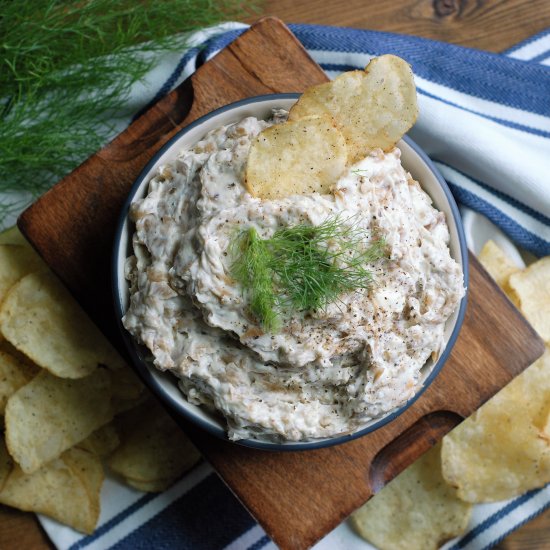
column 324, row 372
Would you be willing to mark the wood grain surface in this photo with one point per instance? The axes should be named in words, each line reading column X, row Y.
column 488, row 25
column 492, row 25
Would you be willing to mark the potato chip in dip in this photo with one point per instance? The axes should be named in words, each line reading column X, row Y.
column 276, row 346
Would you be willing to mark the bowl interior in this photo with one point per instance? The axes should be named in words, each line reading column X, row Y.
column 164, row 384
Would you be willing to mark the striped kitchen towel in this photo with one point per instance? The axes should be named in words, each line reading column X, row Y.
column 485, row 121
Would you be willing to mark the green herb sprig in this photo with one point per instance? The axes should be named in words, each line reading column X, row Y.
column 67, row 68
column 302, row 267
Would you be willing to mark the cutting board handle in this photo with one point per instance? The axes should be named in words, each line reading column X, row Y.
column 405, row 448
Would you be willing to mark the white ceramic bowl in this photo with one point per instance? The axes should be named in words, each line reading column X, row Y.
column 164, row 384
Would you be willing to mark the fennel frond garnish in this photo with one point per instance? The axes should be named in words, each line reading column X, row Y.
column 302, row 268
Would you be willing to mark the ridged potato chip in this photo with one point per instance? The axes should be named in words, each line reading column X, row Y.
column 296, row 158
column 41, row 319
column 13, row 375
column 49, row 415
column 153, row 448
column 415, row 511
column 498, row 452
column 66, row 489
column 373, row 108
column 532, row 288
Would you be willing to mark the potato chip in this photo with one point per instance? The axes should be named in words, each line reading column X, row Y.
column 534, row 382
column 13, row 375
column 6, row 347
column 102, row 442
column 12, row 235
column 545, row 431
column 88, row 468
column 296, row 158
column 57, row 491
column 532, row 287
column 312, row 102
column 417, row 510
column 16, row 262
column 499, row 266
column 495, row 261
column 41, row 319
column 153, row 446
column 49, row 415
column 498, row 452
column 373, row 108
column 156, row 486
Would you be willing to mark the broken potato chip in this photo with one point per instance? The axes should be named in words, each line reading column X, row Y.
column 373, row 108
column 41, row 319
column 296, row 158
column 532, row 288
column 49, row 415
column 415, row 511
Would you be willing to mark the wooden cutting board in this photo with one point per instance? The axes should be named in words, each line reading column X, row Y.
column 298, row 496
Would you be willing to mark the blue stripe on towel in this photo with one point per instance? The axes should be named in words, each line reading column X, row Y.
column 502, row 121
column 260, row 543
column 540, row 57
column 502, row 196
column 207, row 517
column 491, row 520
column 515, row 526
column 113, row 522
column 516, row 232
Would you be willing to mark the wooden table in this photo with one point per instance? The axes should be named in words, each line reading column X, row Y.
column 491, row 25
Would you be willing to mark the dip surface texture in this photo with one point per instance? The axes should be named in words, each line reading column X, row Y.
column 325, row 372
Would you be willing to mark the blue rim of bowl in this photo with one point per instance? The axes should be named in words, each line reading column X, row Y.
column 145, row 371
